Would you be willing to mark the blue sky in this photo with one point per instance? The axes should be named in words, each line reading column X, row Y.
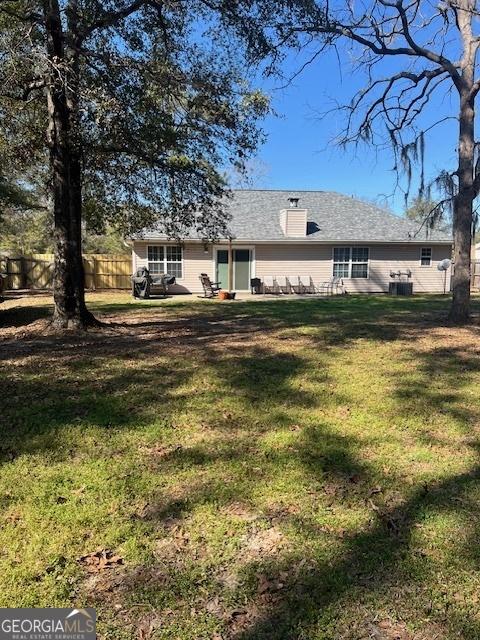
column 298, row 155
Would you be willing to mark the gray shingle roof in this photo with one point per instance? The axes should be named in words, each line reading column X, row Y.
column 332, row 217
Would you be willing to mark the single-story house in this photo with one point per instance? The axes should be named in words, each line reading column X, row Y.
column 306, row 233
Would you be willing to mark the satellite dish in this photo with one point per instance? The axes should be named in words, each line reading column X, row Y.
column 443, row 265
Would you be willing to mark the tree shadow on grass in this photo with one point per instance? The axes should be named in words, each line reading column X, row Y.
column 382, row 559
column 132, row 391
column 373, row 560
column 94, row 390
column 332, row 322
column 22, row 316
column 422, row 389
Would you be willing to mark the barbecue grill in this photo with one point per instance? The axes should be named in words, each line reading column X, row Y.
column 143, row 282
column 255, row 285
column 400, row 285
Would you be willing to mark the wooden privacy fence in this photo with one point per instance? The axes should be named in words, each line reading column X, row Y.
column 102, row 271
column 105, row 271
column 475, row 271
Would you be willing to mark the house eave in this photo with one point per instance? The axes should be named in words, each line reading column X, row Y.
column 290, row 241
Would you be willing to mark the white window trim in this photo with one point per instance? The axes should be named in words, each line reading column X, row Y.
column 426, row 266
column 350, row 262
column 165, row 260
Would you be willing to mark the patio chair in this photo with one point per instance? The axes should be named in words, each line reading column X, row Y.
column 331, row 287
column 269, row 285
column 296, row 284
column 338, row 287
column 210, row 289
column 308, row 284
column 282, row 284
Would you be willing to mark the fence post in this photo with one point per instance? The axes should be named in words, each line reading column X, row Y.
column 9, row 279
column 94, row 273
column 23, row 272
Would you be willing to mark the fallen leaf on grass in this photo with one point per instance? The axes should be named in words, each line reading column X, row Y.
column 343, row 412
column 334, row 531
column 241, row 511
column 228, row 579
column 214, row 606
column 329, row 488
column 375, row 490
column 266, row 584
column 393, row 526
column 236, row 613
column 387, row 630
column 180, row 535
column 148, row 626
column 100, row 560
column 161, row 451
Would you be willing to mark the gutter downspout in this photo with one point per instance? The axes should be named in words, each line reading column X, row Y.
column 230, row 264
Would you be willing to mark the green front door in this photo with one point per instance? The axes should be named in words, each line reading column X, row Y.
column 222, row 268
column 241, row 269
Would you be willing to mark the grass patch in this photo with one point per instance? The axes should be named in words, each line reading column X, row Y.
column 272, row 469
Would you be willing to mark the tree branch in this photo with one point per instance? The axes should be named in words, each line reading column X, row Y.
column 111, row 18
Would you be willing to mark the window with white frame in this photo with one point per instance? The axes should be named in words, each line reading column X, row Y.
column 350, row 262
column 341, row 262
column 165, row 259
column 426, row 256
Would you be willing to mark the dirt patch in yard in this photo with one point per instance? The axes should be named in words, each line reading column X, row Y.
column 25, row 330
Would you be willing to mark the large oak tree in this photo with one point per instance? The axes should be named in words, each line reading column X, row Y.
column 135, row 106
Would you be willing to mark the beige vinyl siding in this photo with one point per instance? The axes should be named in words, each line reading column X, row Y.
column 317, row 261
column 293, row 260
column 195, row 262
column 294, row 222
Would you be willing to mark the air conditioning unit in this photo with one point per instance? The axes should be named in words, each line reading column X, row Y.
column 400, row 288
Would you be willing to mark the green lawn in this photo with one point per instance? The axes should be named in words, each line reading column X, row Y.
column 293, row 469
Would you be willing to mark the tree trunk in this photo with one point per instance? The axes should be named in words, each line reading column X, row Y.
column 463, row 212
column 68, row 282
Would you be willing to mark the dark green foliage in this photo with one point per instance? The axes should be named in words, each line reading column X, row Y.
column 134, row 109
column 160, row 106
